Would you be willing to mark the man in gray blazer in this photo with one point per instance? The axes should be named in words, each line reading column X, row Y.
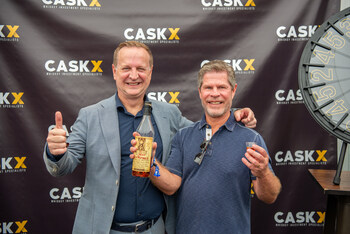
column 113, row 201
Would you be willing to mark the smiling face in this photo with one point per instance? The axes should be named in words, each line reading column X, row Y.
column 216, row 94
column 132, row 73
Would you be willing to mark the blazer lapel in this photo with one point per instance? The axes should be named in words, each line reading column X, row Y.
column 110, row 128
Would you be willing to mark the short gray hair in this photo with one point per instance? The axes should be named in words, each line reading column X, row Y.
column 217, row 66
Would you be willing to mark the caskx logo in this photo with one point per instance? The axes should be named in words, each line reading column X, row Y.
column 228, row 3
column 152, row 34
column 288, row 95
column 301, row 156
column 15, row 96
column 6, row 163
column 6, row 227
column 12, row 31
column 93, row 3
column 161, row 96
column 236, row 64
column 73, row 66
column 300, row 217
column 303, row 31
column 66, row 193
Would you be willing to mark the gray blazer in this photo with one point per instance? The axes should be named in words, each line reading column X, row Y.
column 95, row 136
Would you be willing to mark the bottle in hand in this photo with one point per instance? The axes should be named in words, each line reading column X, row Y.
column 141, row 165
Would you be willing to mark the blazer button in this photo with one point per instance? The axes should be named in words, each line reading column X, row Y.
column 117, row 182
column 113, row 208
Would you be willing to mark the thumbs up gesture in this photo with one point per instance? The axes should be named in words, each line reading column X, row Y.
column 56, row 139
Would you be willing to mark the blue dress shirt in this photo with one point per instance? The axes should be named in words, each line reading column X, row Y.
column 137, row 199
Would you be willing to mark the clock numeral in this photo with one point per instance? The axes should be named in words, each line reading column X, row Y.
column 325, row 93
column 336, row 41
column 324, row 56
column 338, row 108
column 317, row 74
column 345, row 23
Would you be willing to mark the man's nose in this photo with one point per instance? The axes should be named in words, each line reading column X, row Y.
column 215, row 92
column 134, row 73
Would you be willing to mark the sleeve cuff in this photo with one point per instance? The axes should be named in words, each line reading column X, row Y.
column 53, row 158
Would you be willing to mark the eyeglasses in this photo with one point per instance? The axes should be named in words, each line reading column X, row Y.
column 199, row 157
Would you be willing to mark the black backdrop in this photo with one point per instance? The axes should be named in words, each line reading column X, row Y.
column 57, row 55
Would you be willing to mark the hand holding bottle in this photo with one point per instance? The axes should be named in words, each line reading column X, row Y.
column 133, row 147
column 141, row 165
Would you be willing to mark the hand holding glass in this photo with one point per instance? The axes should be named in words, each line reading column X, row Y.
column 250, row 144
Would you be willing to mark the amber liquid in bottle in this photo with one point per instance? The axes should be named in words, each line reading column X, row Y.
column 141, row 165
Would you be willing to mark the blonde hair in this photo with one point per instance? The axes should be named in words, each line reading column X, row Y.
column 132, row 44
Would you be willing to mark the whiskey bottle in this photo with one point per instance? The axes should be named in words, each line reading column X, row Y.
column 141, row 165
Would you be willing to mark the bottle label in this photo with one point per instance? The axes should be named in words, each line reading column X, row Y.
column 143, row 155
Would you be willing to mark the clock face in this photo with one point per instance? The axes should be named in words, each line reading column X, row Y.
column 324, row 75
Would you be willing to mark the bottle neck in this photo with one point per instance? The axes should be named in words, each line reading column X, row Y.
column 147, row 109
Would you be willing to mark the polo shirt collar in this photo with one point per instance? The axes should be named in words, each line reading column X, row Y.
column 231, row 122
column 229, row 125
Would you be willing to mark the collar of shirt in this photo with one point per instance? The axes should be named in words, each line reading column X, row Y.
column 120, row 106
column 229, row 125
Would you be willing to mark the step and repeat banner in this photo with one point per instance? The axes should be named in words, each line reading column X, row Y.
column 57, row 55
